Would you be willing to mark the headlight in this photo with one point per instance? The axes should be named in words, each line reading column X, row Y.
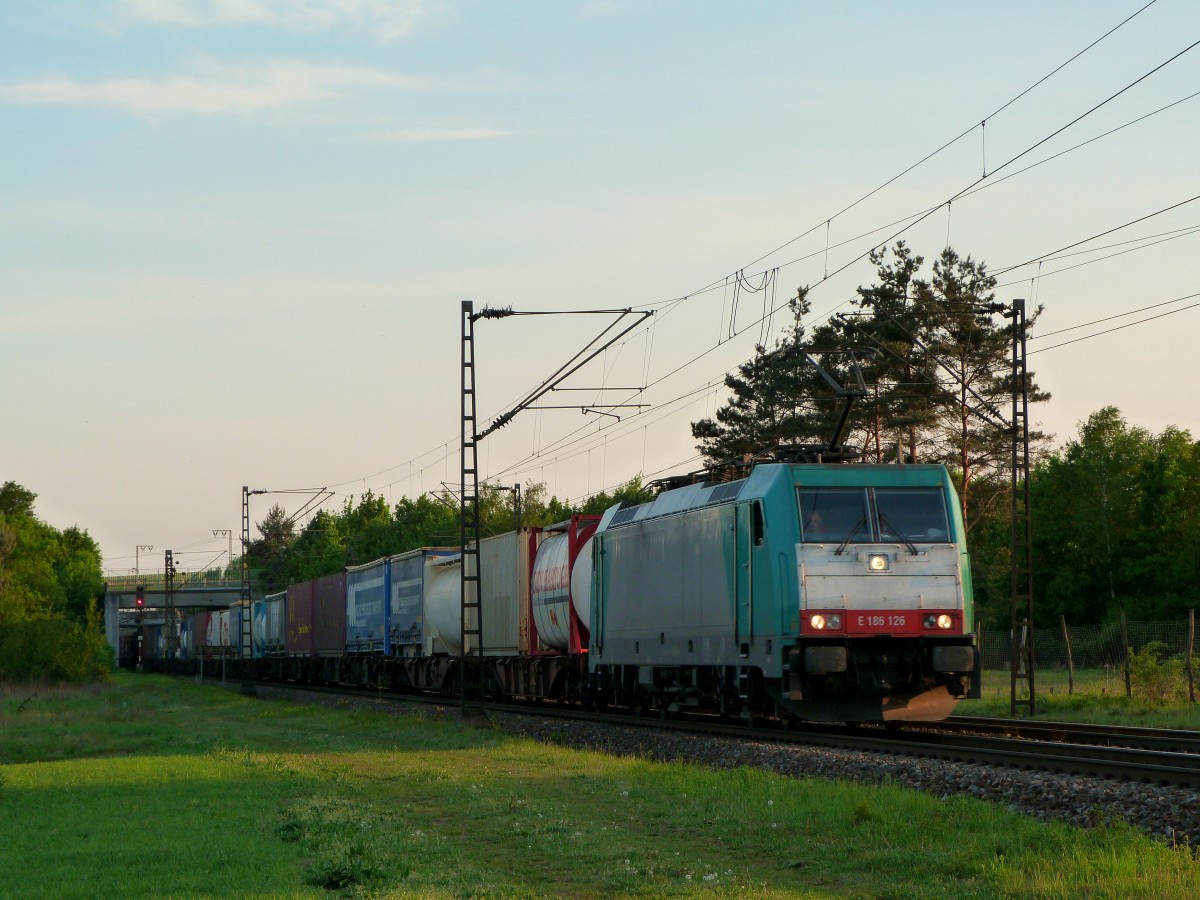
column 942, row 622
column 878, row 562
column 826, row 623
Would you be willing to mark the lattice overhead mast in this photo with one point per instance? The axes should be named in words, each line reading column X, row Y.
column 469, row 573
column 1021, row 572
column 170, row 628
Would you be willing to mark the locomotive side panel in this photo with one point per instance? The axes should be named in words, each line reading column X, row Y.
column 665, row 596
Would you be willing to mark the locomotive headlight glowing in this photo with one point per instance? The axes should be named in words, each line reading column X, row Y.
column 944, row 622
column 878, row 562
column 824, row 623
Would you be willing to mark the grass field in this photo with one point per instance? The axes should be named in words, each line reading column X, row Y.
column 1098, row 697
column 152, row 787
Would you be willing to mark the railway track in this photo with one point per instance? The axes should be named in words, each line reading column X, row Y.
column 1079, row 733
column 1056, row 750
column 1154, row 756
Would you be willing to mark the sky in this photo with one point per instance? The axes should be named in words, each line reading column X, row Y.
column 235, row 235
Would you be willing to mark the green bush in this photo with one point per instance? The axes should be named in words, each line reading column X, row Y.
column 1153, row 678
column 55, row 649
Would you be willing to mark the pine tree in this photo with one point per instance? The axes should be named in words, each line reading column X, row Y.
column 892, row 327
column 967, row 349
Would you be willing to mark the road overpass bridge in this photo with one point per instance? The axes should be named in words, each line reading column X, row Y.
column 197, row 595
column 191, row 594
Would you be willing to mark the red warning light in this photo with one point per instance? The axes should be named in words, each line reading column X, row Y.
column 140, row 600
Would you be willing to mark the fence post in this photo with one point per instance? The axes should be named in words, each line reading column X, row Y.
column 1070, row 658
column 1128, row 649
column 1191, row 645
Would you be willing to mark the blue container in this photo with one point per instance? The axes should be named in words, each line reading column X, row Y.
column 407, row 577
column 258, row 625
column 367, row 608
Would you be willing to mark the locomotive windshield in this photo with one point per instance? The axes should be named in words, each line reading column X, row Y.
column 867, row 515
column 833, row 514
column 912, row 514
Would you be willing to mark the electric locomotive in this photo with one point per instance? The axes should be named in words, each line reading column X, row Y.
column 813, row 591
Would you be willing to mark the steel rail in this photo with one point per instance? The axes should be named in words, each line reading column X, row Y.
column 1139, row 737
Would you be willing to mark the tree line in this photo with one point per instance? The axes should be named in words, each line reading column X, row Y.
column 1117, row 523
column 367, row 528
column 50, row 625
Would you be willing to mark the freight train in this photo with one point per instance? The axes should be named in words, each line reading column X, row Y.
column 798, row 591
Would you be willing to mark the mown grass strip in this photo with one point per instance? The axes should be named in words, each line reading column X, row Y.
column 156, row 788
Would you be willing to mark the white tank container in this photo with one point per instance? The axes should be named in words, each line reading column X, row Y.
column 443, row 603
column 503, row 588
column 581, row 584
column 557, row 586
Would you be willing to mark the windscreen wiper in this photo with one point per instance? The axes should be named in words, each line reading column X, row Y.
column 853, row 531
column 883, row 520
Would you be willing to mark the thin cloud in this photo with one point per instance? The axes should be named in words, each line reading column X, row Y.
column 431, row 135
column 226, row 91
column 386, row 20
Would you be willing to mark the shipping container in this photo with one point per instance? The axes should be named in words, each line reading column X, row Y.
column 329, row 615
column 408, row 574
column 258, row 624
column 504, row 586
column 300, row 633
column 201, row 633
column 185, row 638
column 560, row 599
column 222, row 618
column 152, row 642
column 194, row 645
column 267, row 625
column 234, row 634
column 212, row 637
column 127, row 652
column 366, row 607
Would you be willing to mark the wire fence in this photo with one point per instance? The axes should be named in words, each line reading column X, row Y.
column 1137, row 651
column 1090, row 646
